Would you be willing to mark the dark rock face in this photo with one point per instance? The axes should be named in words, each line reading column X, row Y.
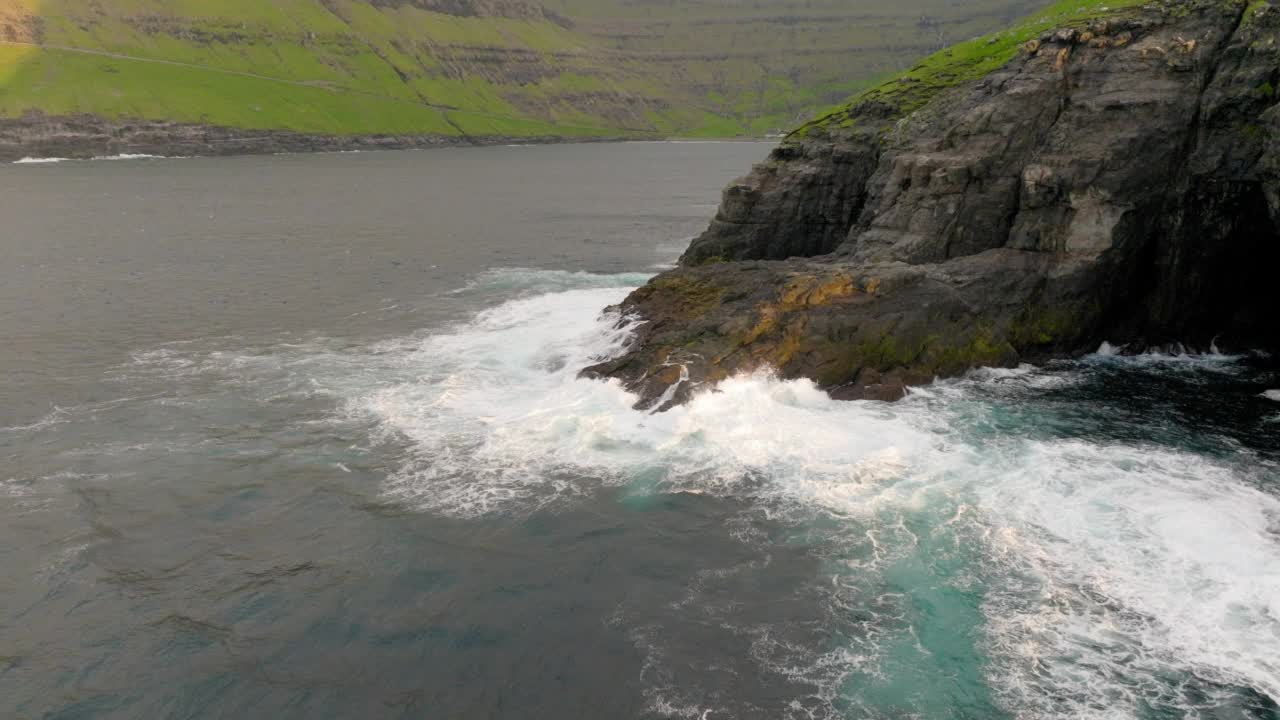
column 1116, row 180
column 799, row 203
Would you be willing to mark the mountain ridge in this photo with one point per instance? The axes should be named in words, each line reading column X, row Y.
column 463, row 69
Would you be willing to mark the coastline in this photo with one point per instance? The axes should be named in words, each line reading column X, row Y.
column 84, row 137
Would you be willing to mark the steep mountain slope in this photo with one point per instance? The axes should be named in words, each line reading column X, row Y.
column 770, row 63
column 458, row 67
column 1101, row 171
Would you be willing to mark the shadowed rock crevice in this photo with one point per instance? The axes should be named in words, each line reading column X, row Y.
column 801, row 202
column 1116, row 179
column 1213, row 278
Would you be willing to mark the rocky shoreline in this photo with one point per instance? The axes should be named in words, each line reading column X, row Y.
column 88, row 136
column 1114, row 176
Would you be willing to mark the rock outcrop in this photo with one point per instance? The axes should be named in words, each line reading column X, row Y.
column 1096, row 173
column 515, row 9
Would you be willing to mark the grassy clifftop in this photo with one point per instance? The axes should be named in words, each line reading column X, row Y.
column 467, row 67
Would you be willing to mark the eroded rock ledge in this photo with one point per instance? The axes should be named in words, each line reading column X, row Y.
column 1113, row 176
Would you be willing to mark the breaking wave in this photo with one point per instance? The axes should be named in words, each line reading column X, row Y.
column 972, row 555
column 1102, row 578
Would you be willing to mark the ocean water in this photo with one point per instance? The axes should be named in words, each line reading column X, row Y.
column 304, row 437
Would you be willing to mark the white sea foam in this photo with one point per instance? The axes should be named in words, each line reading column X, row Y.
column 1175, row 354
column 135, row 156
column 121, row 156
column 1106, row 349
column 1136, row 563
column 1108, row 570
column 1271, row 395
column 524, row 281
column 501, row 398
column 497, row 417
column 1188, row 364
column 56, row 416
column 1116, row 566
column 1016, row 379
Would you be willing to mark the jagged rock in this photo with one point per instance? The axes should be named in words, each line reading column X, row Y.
column 1028, row 212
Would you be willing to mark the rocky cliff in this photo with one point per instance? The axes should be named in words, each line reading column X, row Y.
column 1095, row 173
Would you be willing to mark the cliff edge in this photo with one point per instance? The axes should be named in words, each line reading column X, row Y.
column 1098, row 172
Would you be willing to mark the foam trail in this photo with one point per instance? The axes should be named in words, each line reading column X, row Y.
column 1147, row 562
column 1272, row 395
column 54, row 417
column 137, row 156
column 121, row 156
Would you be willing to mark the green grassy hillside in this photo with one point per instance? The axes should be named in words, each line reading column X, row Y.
column 468, row 67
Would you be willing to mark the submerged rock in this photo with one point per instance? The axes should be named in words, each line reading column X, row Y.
column 1099, row 174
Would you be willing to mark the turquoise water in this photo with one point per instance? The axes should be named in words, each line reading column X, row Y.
column 393, row 497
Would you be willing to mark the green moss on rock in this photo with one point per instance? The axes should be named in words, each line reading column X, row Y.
column 1041, row 327
column 689, row 296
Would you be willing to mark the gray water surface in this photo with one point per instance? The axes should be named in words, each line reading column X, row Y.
column 109, row 257
column 169, row 546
